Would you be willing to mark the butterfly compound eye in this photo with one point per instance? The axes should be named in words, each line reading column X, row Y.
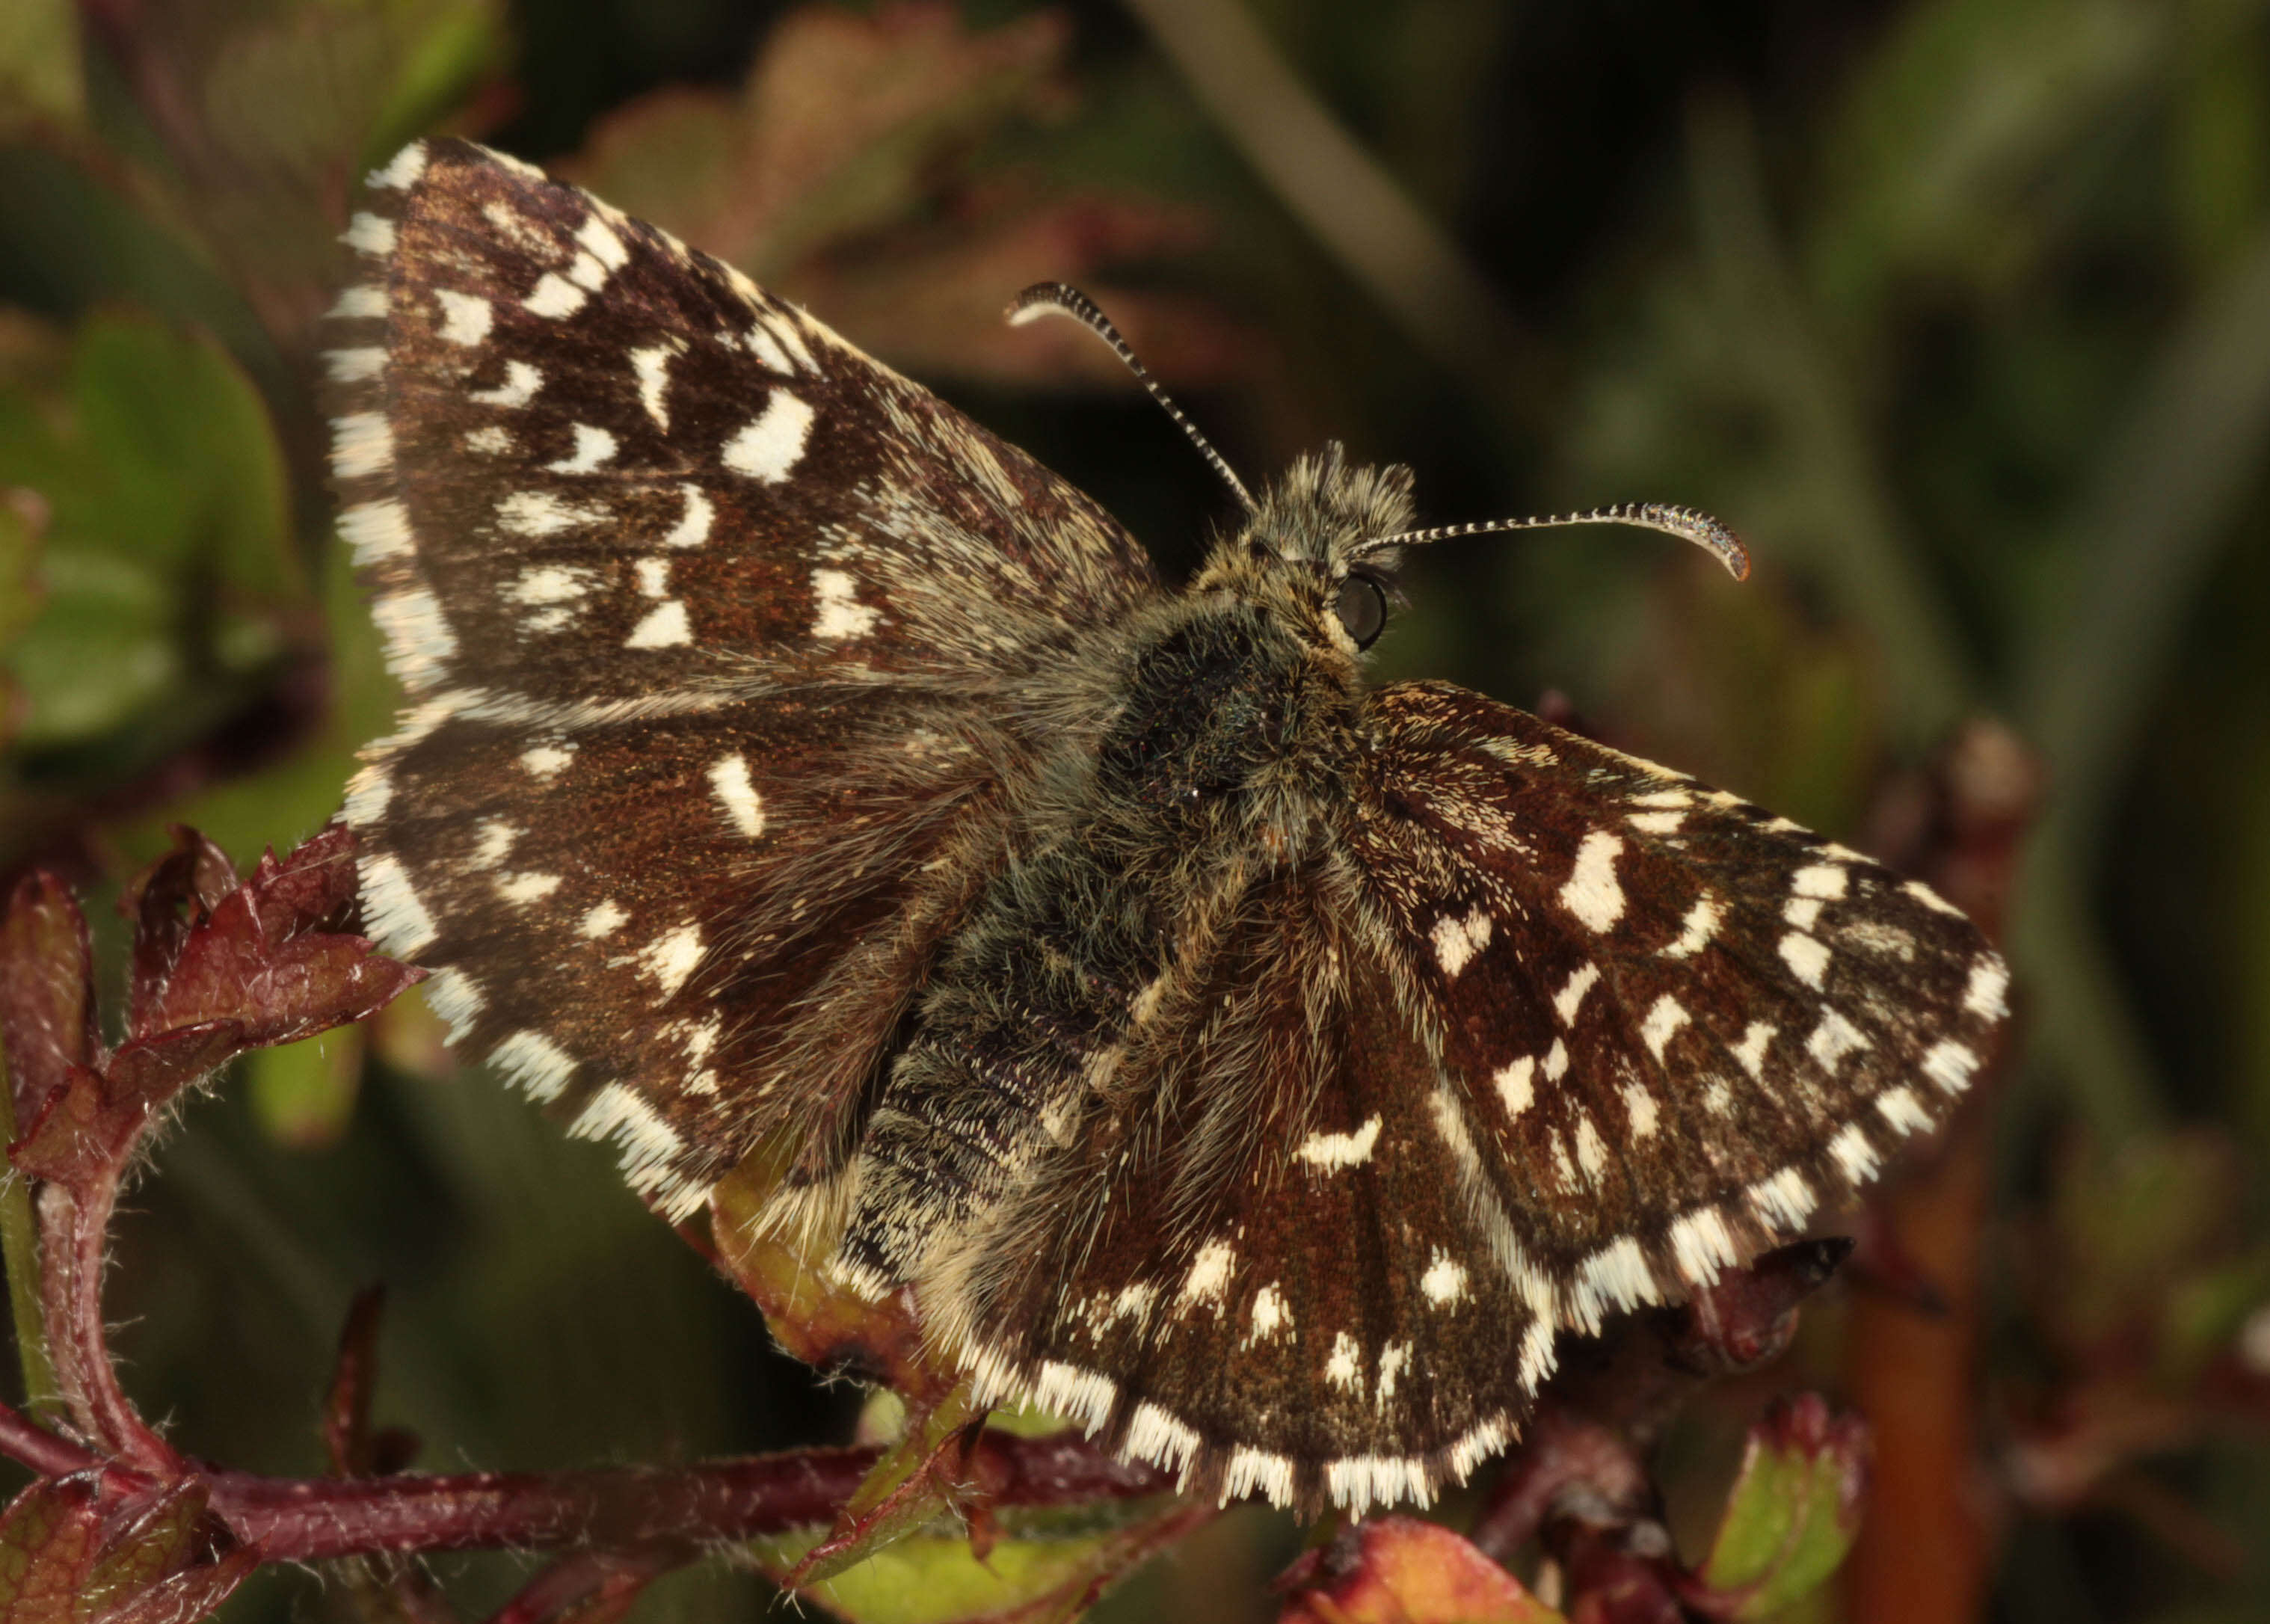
column 1363, row 609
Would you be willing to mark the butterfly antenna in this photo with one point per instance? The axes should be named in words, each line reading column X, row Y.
column 1056, row 299
column 1689, row 523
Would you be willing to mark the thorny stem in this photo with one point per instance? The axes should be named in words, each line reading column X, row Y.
column 19, row 1246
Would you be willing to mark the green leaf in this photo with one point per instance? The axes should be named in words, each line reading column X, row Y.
column 905, row 1490
column 168, row 552
column 1794, row 1509
column 1045, row 1564
column 40, row 78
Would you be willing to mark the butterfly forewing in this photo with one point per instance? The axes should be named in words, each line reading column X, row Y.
column 1677, row 1025
column 699, row 607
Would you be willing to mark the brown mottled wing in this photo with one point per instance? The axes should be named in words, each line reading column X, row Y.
column 703, row 618
column 1675, row 1026
column 1257, row 1258
column 1546, row 1034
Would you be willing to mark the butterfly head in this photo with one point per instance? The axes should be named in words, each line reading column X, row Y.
column 1309, row 549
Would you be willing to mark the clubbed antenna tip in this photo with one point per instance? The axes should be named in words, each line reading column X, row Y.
column 1689, row 523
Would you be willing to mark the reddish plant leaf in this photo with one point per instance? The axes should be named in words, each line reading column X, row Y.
column 218, row 967
column 72, row 1553
column 844, row 125
column 1399, row 1571
column 47, row 991
column 164, row 902
column 256, row 957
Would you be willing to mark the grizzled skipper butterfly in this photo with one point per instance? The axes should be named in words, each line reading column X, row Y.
column 1262, row 1067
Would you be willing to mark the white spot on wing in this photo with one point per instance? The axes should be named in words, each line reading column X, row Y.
column 1331, row 1152
column 376, row 531
column 1393, row 1360
column 362, row 444
column 549, row 583
column 1902, row 1111
column 520, row 382
column 840, row 613
column 545, row 761
column 1158, row 1437
column 1662, row 1021
column 1086, row 1395
column 1592, row 892
column 1827, row 881
column 1269, row 1314
column 1990, row 980
column 398, row 921
column 1854, row 1154
column 1641, row 1108
column 358, row 304
column 1514, row 1085
column 353, row 366
column 466, row 318
column 593, row 447
column 651, row 368
column 1833, row 1039
column 401, row 171
column 1784, row 1200
column 773, row 443
column 605, row 920
column 555, row 297
column 1696, row 929
column 1208, row 1279
column 1345, row 1368
column 1591, row 1154
column 665, row 626
column 535, row 1061
column 1701, row 1245
column 1444, row 1283
column 1571, row 998
column 1950, row 1065
column 1250, row 1469
column 523, row 889
column 1457, row 940
column 457, row 999
column 539, row 513
column 1806, row 957
column 1751, row 1051
column 692, row 528
column 418, row 640
column 368, row 233
column 671, row 958
column 729, row 778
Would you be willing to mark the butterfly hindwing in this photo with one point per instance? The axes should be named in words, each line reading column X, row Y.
column 1255, row 1260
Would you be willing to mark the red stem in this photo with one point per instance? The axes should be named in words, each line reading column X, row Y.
column 312, row 1519
column 74, row 1231
column 41, row 1450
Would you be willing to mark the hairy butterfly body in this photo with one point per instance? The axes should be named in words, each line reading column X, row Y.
column 1262, row 1068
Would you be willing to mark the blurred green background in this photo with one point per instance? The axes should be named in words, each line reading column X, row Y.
column 1958, row 310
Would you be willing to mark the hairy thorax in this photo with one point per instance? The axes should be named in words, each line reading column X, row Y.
column 1214, row 768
